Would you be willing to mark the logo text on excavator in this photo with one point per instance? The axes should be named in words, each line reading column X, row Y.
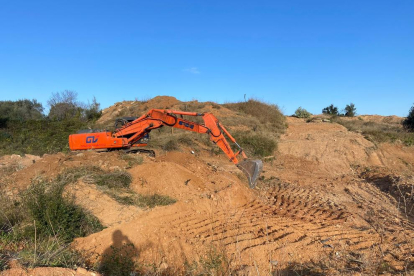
column 91, row 139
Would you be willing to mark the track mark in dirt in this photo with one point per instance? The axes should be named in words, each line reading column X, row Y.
column 290, row 216
column 304, row 204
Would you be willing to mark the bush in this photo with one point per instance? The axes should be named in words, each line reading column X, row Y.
column 408, row 123
column 21, row 110
column 154, row 200
column 64, row 105
column 37, row 136
column 267, row 114
column 38, row 226
column 55, row 214
column 114, row 179
column 331, row 110
column 350, row 110
column 256, row 144
column 170, row 145
column 302, row 113
column 11, row 214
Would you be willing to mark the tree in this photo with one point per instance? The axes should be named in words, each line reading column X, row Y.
column 93, row 111
column 330, row 110
column 408, row 123
column 302, row 113
column 63, row 105
column 21, row 110
column 350, row 110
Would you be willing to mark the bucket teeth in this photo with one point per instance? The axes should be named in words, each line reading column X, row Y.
column 252, row 170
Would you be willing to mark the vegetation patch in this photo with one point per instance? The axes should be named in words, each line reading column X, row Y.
column 119, row 261
column 37, row 137
column 408, row 123
column 129, row 197
column 116, row 184
column 38, row 225
column 256, row 144
column 379, row 132
column 132, row 159
column 268, row 115
column 114, row 180
column 171, row 145
column 302, row 113
column 54, row 214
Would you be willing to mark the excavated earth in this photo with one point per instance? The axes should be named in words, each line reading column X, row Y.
column 329, row 196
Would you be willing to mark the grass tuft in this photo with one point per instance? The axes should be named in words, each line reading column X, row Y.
column 132, row 159
column 117, row 179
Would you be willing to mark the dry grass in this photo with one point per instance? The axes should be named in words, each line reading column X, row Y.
column 268, row 116
column 378, row 132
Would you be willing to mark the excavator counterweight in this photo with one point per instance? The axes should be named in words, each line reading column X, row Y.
column 133, row 133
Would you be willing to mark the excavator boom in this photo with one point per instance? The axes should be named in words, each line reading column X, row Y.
column 134, row 133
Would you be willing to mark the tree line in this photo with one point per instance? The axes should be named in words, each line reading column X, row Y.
column 350, row 111
column 62, row 106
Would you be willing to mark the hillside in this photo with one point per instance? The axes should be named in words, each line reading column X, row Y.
column 329, row 202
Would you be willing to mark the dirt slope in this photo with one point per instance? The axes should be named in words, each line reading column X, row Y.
column 319, row 204
column 319, row 209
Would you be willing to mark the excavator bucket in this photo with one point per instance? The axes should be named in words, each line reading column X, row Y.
column 252, row 169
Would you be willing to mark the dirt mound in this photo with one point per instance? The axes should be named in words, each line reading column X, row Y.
column 337, row 150
column 136, row 108
column 50, row 166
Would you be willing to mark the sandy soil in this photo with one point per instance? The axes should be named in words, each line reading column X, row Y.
column 318, row 207
column 316, row 203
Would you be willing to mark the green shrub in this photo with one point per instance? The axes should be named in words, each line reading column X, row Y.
column 37, row 136
column 302, row 113
column 408, row 123
column 331, row 110
column 117, row 179
column 55, row 214
column 256, row 144
column 38, row 225
column 171, row 145
column 21, row 110
column 154, row 200
column 11, row 214
column 350, row 110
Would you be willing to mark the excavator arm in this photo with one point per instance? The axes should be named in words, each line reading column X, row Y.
column 130, row 135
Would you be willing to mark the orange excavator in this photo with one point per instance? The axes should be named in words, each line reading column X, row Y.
column 132, row 134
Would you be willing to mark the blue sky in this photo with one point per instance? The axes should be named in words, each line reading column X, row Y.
column 291, row 53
